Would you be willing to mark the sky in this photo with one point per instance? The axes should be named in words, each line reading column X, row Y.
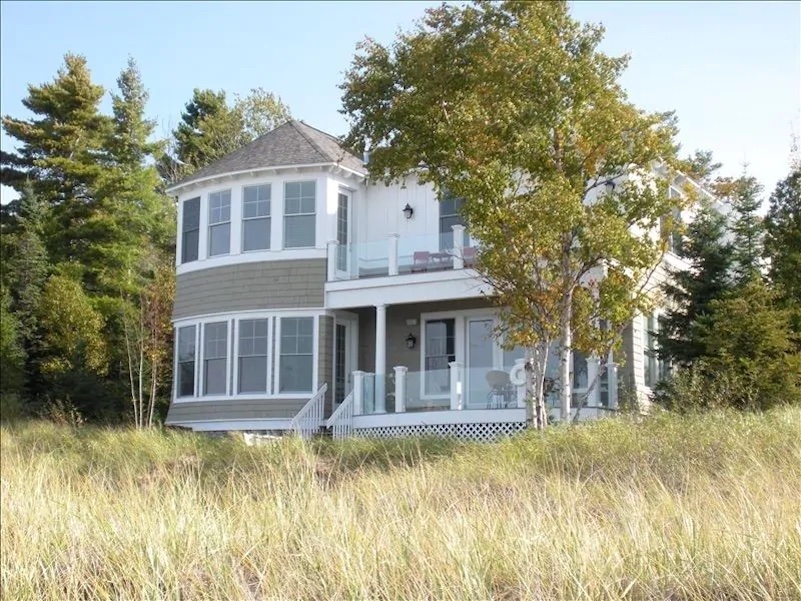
column 730, row 70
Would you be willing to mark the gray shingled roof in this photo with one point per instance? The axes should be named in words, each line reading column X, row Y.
column 293, row 143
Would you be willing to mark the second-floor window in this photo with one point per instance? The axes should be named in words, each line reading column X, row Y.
column 190, row 230
column 299, row 214
column 220, row 223
column 256, row 218
column 449, row 215
column 215, row 357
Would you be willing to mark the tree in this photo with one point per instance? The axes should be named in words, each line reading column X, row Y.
column 743, row 195
column 60, row 151
column 783, row 240
column 210, row 129
column 690, row 293
column 700, row 166
column 12, row 354
column 511, row 107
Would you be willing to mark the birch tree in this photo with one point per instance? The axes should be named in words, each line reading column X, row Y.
column 512, row 107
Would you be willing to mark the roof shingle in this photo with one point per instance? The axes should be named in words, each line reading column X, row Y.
column 293, row 143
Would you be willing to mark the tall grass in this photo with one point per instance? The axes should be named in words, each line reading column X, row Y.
column 701, row 507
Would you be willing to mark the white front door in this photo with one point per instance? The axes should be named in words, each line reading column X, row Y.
column 346, row 335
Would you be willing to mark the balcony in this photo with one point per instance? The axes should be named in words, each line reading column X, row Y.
column 400, row 255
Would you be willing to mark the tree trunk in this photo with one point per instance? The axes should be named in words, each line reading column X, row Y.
column 536, row 362
column 565, row 352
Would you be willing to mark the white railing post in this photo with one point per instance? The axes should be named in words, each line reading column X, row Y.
column 393, row 254
column 521, row 390
column 458, row 246
column 611, row 383
column 456, row 385
column 358, row 392
column 332, row 260
column 400, row 388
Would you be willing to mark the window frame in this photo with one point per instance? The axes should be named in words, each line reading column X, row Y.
column 424, row 394
column 177, row 362
column 442, row 236
column 216, row 224
column 185, row 231
column 238, row 357
column 227, row 372
column 287, row 216
column 268, row 217
column 277, row 393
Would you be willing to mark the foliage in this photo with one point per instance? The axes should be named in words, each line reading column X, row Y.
column 783, row 241
column 527, row 134
column 210, row 129
column 743, row 195
column 700, row 166
column 690, row 292
column 680, row 507
column 12, row 354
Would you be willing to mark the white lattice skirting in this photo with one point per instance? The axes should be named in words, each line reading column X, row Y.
column 478, row 432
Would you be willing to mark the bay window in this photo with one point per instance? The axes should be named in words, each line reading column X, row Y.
column 215, row 355
column 253, row 344
column 220, row 223
column 190, row 230
column 185, row 385
column 256, row 217
column 296, row 360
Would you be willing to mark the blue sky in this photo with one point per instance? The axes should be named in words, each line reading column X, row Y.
column 731, row 70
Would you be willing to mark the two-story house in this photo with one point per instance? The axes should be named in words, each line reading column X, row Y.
column 307, row 295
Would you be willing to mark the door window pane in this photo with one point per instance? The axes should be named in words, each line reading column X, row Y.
column 440, row 343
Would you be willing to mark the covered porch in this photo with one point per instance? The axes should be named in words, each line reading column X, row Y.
column 439, row 368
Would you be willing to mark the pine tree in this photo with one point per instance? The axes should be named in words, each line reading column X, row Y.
column 681, row 338
column 60, row 151
column 743, row 195
column 783, row 240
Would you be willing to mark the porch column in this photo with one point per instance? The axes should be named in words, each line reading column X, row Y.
column 358, row 392
column 458, row 246
column 332, row 260
column 393, row 254
column 611, row 373
column 400, row 388
column 593, row 365
column 456, row 385
column 380, row 358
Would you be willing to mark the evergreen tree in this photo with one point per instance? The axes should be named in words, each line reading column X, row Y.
column 783, row 240
column 743, row 195
column 61, row 149
column 12, row 354
column 681, row 338
column 700, row 166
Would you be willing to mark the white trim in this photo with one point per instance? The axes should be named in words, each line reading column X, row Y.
column 234, row 424
column 253, row 256
column 274, row 170
column 249, row 314
column 465, row 416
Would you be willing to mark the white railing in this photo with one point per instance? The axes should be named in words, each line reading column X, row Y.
column 308, row 420
column 341, row 421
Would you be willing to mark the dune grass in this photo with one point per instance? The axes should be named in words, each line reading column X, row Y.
column 699, row 507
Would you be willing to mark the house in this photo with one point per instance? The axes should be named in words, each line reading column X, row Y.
column 308, row 296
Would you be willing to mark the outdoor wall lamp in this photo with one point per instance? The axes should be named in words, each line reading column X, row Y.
column 408, row 211
column 410, row 341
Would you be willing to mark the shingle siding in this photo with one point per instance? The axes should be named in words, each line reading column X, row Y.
column 295, row 284
column 325, row 367
column 232, row 409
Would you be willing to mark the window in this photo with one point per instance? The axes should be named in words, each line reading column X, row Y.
column 342, row 231
column 220, row 223
column 581, row 379
column 656, row 369
column 256, row 218
column 674, row 237
column 449, row 208
column 186, row 361
column 190, row 230
column 440, row 349
column 253, row 342
column 299, row 214
column 297, row 355
column 215, row 345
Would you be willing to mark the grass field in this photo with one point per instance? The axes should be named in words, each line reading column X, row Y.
column 704, row 507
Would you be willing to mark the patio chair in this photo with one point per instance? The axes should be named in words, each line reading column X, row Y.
column 421, row 260
column 499, row 394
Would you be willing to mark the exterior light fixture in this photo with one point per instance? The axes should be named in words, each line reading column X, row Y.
column 408, row 211
column 411, row 341
column 609, row 186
